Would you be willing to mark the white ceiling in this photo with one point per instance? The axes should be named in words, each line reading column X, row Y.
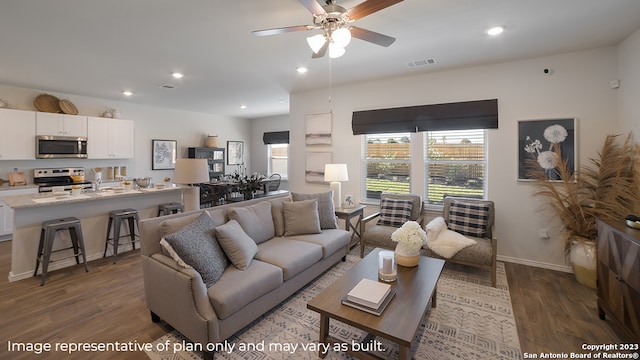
column 100, row 48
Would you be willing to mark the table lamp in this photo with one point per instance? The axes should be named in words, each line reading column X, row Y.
column 334, row 173
column 189, row 172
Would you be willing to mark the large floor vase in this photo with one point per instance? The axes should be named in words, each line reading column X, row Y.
column 583, row 260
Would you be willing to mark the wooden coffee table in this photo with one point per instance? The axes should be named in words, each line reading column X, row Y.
column 400, row 320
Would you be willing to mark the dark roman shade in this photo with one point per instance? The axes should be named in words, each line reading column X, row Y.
column 276, row 137
column 481, row 114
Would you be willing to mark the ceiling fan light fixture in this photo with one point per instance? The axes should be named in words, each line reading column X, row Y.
column 341, row 37
column 335, row 51
column 316, row 42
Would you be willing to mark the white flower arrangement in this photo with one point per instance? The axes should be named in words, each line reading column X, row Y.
column 410, row 238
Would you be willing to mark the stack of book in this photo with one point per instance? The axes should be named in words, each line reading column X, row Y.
column 370, row 296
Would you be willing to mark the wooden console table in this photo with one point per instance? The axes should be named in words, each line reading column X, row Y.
column 619, row 275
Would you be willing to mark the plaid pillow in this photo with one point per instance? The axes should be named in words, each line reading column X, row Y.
column 468, row 218
column 394, row 212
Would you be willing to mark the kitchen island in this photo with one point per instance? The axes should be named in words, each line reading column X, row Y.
column 92, row 208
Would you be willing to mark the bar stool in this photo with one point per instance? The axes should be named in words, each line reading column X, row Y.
column 47, row 235
column 170, row 208
column 115, row 220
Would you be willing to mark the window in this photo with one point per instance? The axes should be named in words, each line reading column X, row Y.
column 455, row 164
column 278, row 159
column 386, row 163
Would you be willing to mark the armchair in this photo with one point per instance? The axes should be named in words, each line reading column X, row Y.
column 378, row 233
column 483, row 254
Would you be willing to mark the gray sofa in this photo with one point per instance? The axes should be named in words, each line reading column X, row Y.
column 282, row 265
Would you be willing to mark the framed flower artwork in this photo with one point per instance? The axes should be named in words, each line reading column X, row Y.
column 535, row 142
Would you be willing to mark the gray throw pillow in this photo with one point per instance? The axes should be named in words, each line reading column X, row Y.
column 197, row 246
column 326, row 210
column 238, row 246
column 278, row 216
column 256, row 220
column 301, row 217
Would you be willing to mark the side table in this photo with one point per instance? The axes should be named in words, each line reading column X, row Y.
column 347, row 214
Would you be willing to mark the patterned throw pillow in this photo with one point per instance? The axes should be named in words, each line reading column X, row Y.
column 394, row 212
column 196, row 244
column 469, row 218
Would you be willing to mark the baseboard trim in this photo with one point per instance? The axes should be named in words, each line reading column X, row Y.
column 538, row 264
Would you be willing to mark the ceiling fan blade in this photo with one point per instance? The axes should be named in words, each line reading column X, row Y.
column 283, row 30
column 369, row 7
column 321, row 52
column 313, row 6
column 372, row 36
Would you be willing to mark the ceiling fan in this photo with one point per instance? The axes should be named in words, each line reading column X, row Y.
column 335, row 22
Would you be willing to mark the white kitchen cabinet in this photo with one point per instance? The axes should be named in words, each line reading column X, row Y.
column 61, row 124
column 18, row 135
column 109, row 138
column 6, row 213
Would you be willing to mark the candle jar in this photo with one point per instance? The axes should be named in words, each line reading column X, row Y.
column 387, row 267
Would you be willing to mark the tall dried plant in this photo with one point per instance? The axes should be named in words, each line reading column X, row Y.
column 607, row 188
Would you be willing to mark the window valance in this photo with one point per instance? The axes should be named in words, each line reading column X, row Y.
column 276, row 137
column 481, row 114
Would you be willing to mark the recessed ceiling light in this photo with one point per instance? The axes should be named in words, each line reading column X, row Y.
column 127, row 93
column 243, row 107
column 497, row 30
column 302, row 70
column 177, row 75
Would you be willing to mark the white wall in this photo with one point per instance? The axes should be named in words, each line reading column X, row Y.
column 629, row 91
column 578, row 87
column 188, row 128
column 259, row 151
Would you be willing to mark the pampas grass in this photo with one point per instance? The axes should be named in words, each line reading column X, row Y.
column 608, row 188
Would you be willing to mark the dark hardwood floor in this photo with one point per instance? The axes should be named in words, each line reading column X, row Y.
column 553, row 312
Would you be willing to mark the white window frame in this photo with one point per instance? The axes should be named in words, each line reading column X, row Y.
column 270, row 160
column 427, row 161
column 364, row 161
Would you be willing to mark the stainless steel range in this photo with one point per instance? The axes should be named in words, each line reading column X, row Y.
column 48, row 179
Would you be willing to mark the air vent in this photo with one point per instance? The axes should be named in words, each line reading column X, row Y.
column 167, row 86
column 418, row 63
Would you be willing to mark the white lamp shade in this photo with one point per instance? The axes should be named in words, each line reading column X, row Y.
column 336, row 172
column 335, row 51
column 191, row 171
column 316, row 42
column 341, row 37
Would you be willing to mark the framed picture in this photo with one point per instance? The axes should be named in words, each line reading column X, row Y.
column 349, row 200
column 318, row 129
column 535, row 142
column 218, row 155
column 314, row 165
column 235, row 152
column 163, row 153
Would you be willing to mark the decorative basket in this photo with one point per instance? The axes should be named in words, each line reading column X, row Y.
column 47, row 103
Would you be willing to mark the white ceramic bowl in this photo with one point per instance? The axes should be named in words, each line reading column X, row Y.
column 633, row 224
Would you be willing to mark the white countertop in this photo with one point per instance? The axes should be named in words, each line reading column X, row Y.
column 47, row 199
column 6, row 187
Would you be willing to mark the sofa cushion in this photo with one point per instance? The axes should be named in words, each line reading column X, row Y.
column 278, row 215
column 326, row 210
column 238, row 246
column 197, row 246
column 468, row 218
column 237, row 288
column 379, row 235
column 394, row 212
column 256, row 220
column 331, row 240
column 301, row 217
column 291, row 256
column 480, row 253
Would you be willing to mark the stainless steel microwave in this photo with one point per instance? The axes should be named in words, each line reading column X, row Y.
column 57, row 147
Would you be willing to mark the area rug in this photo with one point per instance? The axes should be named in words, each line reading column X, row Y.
column 472, row 320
